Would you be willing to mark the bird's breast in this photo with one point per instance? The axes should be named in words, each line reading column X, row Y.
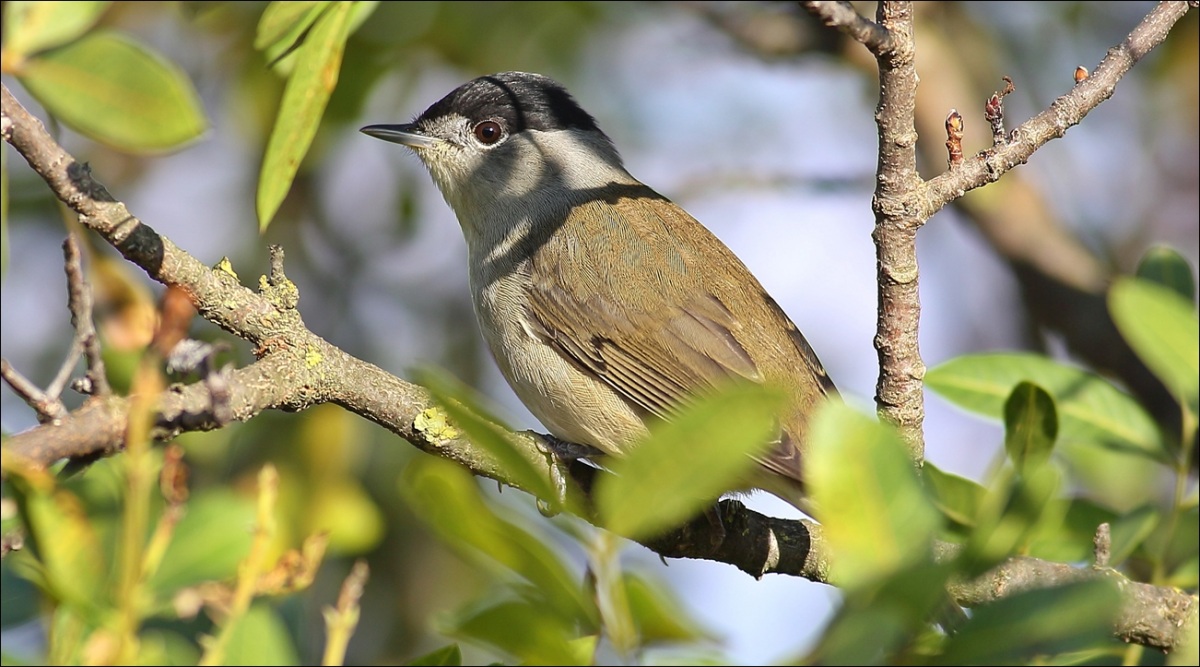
column 572, row 403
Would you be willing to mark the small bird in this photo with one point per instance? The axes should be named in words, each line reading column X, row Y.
column 605, row 305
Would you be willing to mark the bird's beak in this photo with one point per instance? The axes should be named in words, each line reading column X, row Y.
column 407, row 134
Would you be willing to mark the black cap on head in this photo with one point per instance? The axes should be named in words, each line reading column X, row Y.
column 523, row 101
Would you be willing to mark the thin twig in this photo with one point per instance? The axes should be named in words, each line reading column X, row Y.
column 80, row 302
column 48, row 408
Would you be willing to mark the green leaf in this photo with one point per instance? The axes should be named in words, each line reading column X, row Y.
column 957, row 497
column 68, row 562
column 209, row 542
column 1089, row 407
column 687, row 463
column 447, row 656
column 307, row 92
column 865, row 637
column 1012, row 513
column 1166, row 267
column 30, row 27
column 1070, row 539
column 1030, row 426
column 487, row 432
column 657, row 615
column 1164, row 331
column 1036, row 623
column 116, row 91
column 533, row 633
column 1130, row 531
column 876, row 515
column 448, row 499
column 872, row 625
column 260, row 638
column 283, row 23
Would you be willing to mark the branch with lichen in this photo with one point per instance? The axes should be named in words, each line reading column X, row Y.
column 296, row 369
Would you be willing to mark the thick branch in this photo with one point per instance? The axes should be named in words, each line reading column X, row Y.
column 298, row 369
column 899, row 390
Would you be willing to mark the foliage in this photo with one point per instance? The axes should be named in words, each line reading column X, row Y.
column 123, row 574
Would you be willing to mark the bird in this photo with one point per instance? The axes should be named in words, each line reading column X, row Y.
column 606, row 306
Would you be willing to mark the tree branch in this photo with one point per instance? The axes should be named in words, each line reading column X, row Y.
column 878, row 38
column 297, row 369
column 1066, row 112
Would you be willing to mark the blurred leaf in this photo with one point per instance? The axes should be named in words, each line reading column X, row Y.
column 900, row 605
column 210, row 540
column 1119, row 480
column 657, row 614
column 164, row 647
column 282, row 23
column 957, row 497
column 117, row 91
column 30, row 27
column 1011, row 513
column 718, row 436
column 447, row 498
column 447, row 656
column 535, row 634
column 866, row 637
column 349, row 515
column 1036, row 623
column 1181, row 559
column 487, row 432
column 308, row 89
column 1164, row 331
column 1130, row 531
column 260, row 637
column 65, row 555
column 1030, row 426
column 1072, row 538
column 1166, row 267
column 876, row 515
column 1089, row 407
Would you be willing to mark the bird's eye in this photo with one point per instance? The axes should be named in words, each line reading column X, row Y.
column 488, row 132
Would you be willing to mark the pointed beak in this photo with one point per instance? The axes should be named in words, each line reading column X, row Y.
column 406, row 134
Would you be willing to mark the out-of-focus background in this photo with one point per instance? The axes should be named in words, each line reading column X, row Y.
column 750, row 116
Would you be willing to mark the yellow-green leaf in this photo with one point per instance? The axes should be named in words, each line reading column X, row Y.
column 1036, row 625
column 1013, row 512
column 1162, row 328
column 957, row 497
column 1089, row 407
column 117, row 91
column 876, row 515
column 318, row 61
column 30, row 27
column 447, row 656
column 283, row 23
column 531, row 632
column 687, row 463
column 487, row 432
column 658, row 616
column 448, row 499
column 70, row 564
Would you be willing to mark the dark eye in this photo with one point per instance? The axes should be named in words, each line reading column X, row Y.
column 488, row 132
